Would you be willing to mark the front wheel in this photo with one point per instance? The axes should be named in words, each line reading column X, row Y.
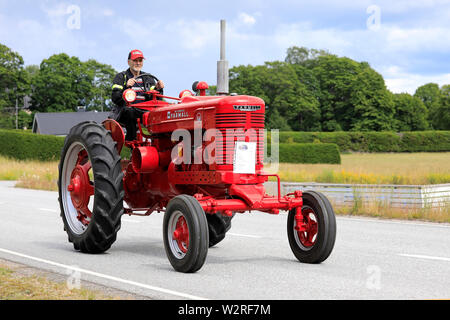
column 185, row 231
column 312, row 230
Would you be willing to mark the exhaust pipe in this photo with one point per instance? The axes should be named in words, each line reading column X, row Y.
column 222, row 64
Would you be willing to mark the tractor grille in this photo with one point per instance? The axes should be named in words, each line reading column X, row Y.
column 238, row 125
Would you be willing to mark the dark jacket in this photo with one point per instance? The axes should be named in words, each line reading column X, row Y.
column 145, row 83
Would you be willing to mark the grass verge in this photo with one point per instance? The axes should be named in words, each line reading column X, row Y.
column 380, row 210
column 16, row 285
column 30, row 174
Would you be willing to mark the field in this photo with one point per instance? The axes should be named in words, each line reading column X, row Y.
column 364, row 168
column 374, row 168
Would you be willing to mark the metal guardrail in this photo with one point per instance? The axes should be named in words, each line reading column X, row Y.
column 400, row 196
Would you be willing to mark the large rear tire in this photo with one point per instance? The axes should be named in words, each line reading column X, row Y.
column 315, row 241
column 185, row 230
column 90, row 188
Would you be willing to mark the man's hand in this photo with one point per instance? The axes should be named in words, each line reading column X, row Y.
column 159, row 85
column 131, row 82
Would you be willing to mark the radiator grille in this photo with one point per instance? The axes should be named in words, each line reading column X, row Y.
column 239, row 125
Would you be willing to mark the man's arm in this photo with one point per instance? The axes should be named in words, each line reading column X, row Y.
column 117, row 89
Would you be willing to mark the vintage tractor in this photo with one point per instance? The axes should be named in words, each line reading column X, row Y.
column 199, row 160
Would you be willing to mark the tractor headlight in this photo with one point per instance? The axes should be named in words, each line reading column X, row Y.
column 129, row 95
column 185, row 93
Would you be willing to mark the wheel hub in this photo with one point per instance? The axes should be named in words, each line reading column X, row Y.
column 80, row 188
column 181, row 234
column 306, row 227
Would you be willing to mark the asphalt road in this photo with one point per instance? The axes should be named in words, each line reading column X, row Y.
column 372, row 259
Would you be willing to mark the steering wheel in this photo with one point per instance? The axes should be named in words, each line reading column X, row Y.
column 143, row 86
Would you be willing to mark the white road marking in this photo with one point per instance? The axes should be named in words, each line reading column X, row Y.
column 425, row 257
column 49, row 210
column 242, row 235
column 104, row 276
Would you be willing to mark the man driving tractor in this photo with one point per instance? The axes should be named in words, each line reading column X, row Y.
column 137, row 80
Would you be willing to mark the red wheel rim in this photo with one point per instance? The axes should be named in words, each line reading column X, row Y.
column 181, row 234
column 81, row 188
column 307, row 231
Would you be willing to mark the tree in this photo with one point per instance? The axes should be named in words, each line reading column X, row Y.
column 410, row 113
column 441, row 117
column 62, row 84
column 14, row 85
column 101, row 76
column 430, row 94
column 315, row 90
column 303, row 56
column 373, row 103
column 292, row 98
column 353, row 96
column 285, row 96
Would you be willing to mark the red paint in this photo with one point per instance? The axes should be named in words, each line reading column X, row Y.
column 181, row 234
column 306, row 226
column 81, row 188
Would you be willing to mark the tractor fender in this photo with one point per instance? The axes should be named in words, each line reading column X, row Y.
column 116, row 132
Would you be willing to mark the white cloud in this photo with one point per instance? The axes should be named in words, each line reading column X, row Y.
column 108, row 12
column 397, row 80
column 41, row 39
column 57, row 10
column 436, row 39
column 247, row 19
column 402, row 6
column 410, row 82
column 195, row 34
column 138, row 34
column 388, row 39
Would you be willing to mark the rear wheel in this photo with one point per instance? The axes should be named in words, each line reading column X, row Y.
column 90, row 188
column 312, row 232
column 185, row 230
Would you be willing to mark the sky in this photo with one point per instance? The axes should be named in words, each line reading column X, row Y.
column 406, row 41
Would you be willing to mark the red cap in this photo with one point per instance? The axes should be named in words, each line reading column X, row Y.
column 134, row 54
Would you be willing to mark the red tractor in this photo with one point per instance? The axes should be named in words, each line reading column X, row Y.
column 200, row 182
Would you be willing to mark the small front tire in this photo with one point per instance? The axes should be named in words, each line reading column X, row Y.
column 313, row 240
column 185, row 232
